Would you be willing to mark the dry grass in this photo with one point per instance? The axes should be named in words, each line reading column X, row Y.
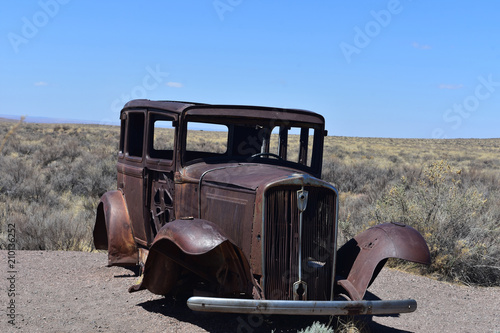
column 388, row 153
column 449, row 190
column 51, row 178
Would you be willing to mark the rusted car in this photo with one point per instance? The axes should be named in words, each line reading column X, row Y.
column 226, row 203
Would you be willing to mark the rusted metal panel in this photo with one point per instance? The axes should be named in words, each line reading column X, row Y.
column 161, row 273
column 186, row 203
column 171, row 106
column 257, row 234
column 257, row 113
column 227, row 110
column 233, row 211
column 200, row 247
column 247, row 223
column 133, row 182
column 360, row 258
column 192, row 236
column 113, row 230
column 245, row 175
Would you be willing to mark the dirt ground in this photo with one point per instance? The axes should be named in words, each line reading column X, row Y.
column 76, row 292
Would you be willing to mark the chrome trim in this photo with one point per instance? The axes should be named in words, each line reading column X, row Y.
column 302, row 196
column 335, row 308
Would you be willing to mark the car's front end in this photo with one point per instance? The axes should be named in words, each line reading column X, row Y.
column 237, row 215
column 296, row 239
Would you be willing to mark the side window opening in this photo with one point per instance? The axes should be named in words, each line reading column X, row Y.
column 135, row 134
column 163, row 138
column 205, row 140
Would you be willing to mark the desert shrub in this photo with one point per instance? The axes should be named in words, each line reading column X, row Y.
column 317, row 327
column 341, row 324
column 10, row 133
column 463, row 243
column 88, row 175
column 60, row 148
column 360, row 185
column 362, row 177
column 21, row 178
column 351, row 324
column 51, row 178
column 42, row 227
column 354, row 212
column 455, row 204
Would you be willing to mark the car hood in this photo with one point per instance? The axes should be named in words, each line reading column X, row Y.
column 243, row 175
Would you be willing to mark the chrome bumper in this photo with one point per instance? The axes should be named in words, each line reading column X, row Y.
column 335, row 308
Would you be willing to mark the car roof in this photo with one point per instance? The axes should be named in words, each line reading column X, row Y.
column 179, row 107
column 172, row 106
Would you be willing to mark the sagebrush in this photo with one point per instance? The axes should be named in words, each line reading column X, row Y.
column 51, row 179
column 52, row 175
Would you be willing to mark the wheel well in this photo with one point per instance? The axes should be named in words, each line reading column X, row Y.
column 100, row 230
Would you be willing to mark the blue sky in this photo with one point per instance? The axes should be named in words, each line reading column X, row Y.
column 402, row 69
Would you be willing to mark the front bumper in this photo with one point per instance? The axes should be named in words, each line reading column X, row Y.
column 335, row 308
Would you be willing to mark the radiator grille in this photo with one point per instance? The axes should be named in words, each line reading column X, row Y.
column 281, row 232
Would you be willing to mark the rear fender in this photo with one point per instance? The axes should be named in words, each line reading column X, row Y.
column 113, row 231
column 361, row 259
column 200, row 247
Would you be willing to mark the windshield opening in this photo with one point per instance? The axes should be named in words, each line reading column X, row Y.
column 252, row 140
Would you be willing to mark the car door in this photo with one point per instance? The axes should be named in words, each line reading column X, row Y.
column 131, row 172
column 160, row 167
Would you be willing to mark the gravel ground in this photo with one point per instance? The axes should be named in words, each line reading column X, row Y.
column 75, row 292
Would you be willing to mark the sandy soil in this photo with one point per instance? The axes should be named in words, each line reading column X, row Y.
column 76, row 292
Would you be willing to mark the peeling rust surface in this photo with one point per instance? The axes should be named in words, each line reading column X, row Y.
column 199, row 247
column 193, row 237
column 252, row 222
column 360, row 259
column 113, row 231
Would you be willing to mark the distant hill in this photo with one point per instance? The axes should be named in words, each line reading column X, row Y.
column 7, row 120
column 49, row 120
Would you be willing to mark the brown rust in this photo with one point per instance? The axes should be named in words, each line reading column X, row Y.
column 211, row 256
column 360, row 259
column 113, row 230
column 226, row 222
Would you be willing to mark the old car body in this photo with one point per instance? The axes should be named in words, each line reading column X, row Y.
column 227, row 203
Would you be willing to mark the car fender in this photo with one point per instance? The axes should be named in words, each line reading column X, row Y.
column 360, row 260
column 113, row 231
column 200, row 247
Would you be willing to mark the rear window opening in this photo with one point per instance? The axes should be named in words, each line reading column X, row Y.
column 135, row 134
